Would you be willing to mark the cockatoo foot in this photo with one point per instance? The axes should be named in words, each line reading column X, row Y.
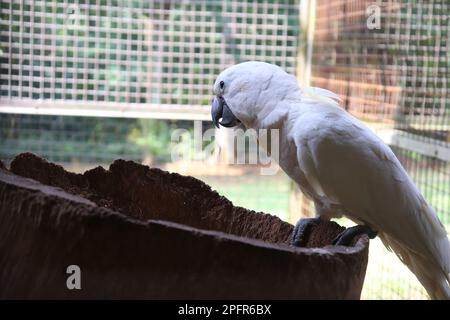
column 346, row 236
column 300, row 228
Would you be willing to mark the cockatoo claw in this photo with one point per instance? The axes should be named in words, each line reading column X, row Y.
column 300, row 228
column 346, row 236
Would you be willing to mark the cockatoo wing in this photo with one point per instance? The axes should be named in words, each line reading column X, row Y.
column 350, row 165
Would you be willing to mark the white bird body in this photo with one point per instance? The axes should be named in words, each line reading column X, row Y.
column 342, row 166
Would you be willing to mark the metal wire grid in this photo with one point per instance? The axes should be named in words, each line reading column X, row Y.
column 398, row 73
column 396, row 76
column 97, row 57
column 161, row 52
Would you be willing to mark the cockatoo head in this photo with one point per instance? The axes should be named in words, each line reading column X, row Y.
column 248, row 92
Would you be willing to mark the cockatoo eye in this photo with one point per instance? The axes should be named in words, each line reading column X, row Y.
column 221, row 84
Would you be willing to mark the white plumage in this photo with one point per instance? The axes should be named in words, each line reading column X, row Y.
column 341, row 165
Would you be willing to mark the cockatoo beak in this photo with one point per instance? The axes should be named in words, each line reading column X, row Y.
column 220, row 110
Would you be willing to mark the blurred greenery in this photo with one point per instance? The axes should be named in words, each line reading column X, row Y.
column 153, row 136
column 84, row 139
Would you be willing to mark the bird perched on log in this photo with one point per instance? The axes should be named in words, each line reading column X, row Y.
column 339, row 163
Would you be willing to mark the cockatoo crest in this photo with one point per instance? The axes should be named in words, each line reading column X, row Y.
column 321, row 95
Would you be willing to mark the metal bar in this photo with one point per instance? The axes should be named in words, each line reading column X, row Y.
column 106, row 109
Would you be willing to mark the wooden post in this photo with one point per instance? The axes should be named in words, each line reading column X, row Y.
column 299, row 205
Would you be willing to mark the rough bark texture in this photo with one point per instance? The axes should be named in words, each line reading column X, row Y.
column 138, row 232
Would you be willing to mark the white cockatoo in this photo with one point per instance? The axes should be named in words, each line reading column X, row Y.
column 340, row 164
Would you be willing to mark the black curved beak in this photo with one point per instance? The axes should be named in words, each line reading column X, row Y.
column 220, row 110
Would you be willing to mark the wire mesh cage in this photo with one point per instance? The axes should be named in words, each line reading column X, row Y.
column 88, row 81
column 135, row 59
column 163, row 52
